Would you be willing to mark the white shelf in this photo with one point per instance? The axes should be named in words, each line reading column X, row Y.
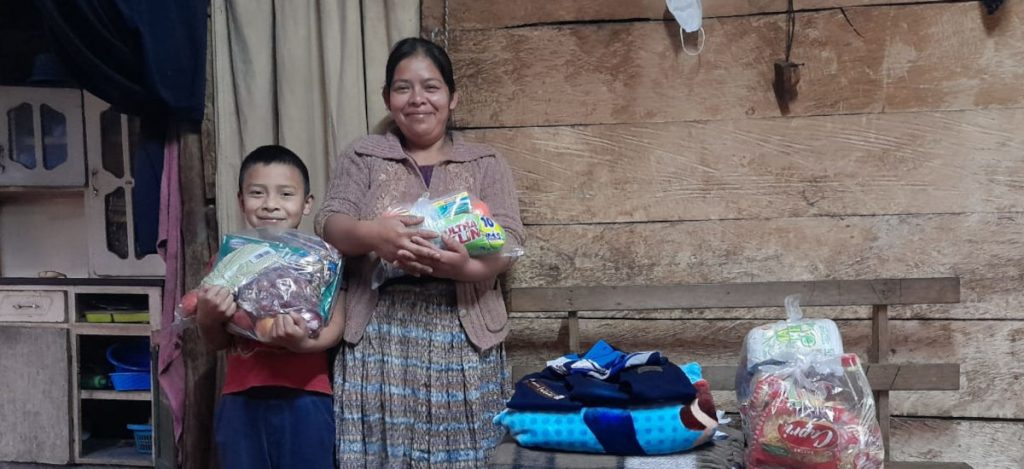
column 107, row 395
column 112, row 329
column 38, row 325
column 114, row 452
column 126, row 406
column 14, row 192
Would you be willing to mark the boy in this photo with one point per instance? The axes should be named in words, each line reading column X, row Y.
column 276, row 409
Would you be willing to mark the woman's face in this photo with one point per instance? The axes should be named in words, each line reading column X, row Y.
column 419, row 101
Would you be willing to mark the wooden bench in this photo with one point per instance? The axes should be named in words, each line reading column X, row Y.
column 879, row 294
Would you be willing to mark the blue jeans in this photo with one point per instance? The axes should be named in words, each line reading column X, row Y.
column 273, row 428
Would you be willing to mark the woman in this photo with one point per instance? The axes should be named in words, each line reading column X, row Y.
column 423, row 370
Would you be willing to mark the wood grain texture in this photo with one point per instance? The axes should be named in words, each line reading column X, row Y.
column 982, row 444
column 989, row 352
column 986, row 298
column 208, row 128
column 738, row 295
column 883, row 409
column 573, row 322
column 926, row 465
column 694, row 181
column 786, row 249
column 489, row 14
column 201, row 391
column 900, row 58
column 197, row 149
column 875, row 164
column 431, row 17
column 878, row 352
column 195, row 248
column 883, row 377
column 208, row 137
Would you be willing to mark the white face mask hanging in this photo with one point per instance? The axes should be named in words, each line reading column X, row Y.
column 689, row 15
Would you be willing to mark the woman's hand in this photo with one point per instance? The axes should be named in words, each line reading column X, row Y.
column 397, row 243
column 454, row 262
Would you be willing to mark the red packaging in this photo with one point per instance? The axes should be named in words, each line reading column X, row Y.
column 812, row 415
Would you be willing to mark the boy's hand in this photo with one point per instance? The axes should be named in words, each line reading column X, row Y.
column 288, row 331
column 215, row 307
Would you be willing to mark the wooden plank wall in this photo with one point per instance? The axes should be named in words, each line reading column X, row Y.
column 903, row 156
column 200, row 242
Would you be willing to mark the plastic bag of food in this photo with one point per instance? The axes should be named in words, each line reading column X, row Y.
column 273, row 272
column 814, row 413
column 805, row 404
column 459, row 216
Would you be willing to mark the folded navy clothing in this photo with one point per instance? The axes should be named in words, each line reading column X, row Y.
column 651, row 384
column 591, row 391
column 546, row 390
column 603, row 361
column 637, row 386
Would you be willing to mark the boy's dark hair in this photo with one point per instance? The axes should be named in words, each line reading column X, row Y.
column 411, row 46
column 273, row 154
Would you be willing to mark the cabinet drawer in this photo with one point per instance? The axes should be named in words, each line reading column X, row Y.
column 32, row 306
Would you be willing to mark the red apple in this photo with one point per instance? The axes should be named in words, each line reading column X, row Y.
column 189, row 302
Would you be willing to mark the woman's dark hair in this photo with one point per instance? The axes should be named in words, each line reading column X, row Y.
column 411, row 46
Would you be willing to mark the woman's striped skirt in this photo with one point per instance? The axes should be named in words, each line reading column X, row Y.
column 414, row 393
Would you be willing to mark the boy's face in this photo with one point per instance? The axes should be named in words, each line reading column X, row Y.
column 272, row 195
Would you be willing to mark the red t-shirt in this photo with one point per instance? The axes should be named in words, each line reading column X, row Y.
column 251, row 364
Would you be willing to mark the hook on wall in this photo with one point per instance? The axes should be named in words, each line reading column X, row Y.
column 787, row 72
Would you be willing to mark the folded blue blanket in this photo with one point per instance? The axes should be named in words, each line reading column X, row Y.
column 661, row 429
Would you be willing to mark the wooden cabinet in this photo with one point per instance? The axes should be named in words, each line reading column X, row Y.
column 41, row 137
column 59, row 405
column 68, row 143
column 109, row 204
column 32, row 306
column 34, row 411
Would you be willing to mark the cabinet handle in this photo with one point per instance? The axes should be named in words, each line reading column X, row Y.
column 26, row 306
column 2, row 167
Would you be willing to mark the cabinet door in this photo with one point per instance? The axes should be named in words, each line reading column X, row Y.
column 108, row 201
column 41, row 138
column 34, row 410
